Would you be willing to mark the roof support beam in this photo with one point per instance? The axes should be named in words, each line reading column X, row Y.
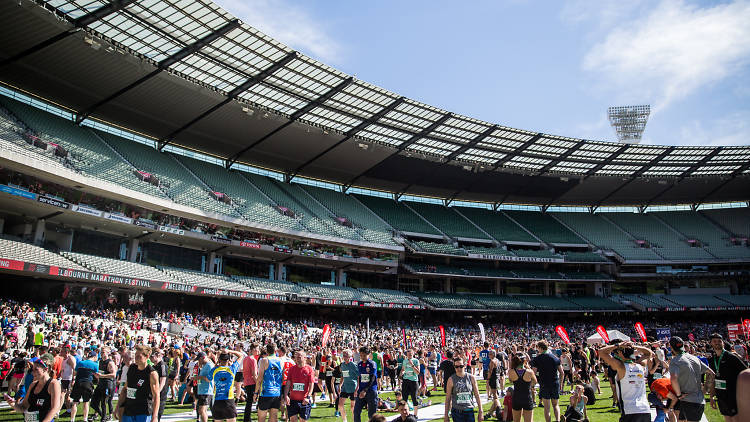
column 477, row 139
column 560, row 159
column 608, row 160
column 231, row 95
column 640, row 173
column 734, row 174
column 414, row 138
column 296, row 115
column 78, row 23
column 517, row 152
column 162, row 65
column 353, row 132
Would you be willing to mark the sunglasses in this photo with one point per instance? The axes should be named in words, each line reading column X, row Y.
column 459, row 366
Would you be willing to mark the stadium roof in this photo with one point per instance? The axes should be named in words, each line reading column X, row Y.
column 188, row 73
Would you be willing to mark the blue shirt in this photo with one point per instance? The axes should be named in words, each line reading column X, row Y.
column 85, row 370
column 272, row 377
column 485, row 355
column 223, row 378
column 206, row 387
column 368, row 375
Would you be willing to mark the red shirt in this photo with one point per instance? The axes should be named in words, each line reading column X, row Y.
column 662, row 387
column 287, row 364
column 301, row 379
column 249, row 369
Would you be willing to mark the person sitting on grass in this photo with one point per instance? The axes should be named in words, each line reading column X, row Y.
column 576, row 412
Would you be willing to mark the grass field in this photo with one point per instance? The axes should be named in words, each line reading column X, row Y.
column 602, row 411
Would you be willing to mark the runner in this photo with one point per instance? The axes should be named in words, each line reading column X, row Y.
column 42, row 402
column 349, row 375
column 410, row 380
column 162, row 369
column 727, row 367
column 270, row 377
column 432, row 364
column 224, row 407
column 299, row 388
column 102, row 397
column 249, row 377
column 462, row 395
column 205, row 386
column 630, row 380
column 566, row 362
column 484, row 355
column 367, row 388
column 286, row 364
column 686, row 371
column 523, row 380
column 549, row 372
column 446, row 368
column 492, row 386
column 141, row 399
column 83, row 387
column 67, row 369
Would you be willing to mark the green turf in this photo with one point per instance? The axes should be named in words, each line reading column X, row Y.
column 602, row 411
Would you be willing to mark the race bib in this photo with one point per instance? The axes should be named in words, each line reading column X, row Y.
column 463, row 398
column 31, row 416
column 365, row 377
column 345, row 374
column 298, row 386
column 131, row 393
column 329, row 373
column 720, row 384
column 657, row 376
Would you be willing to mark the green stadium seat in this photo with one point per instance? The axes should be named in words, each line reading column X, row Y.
column 499, row 226
column 397, row 215
column 447, row 220
column 545, row 227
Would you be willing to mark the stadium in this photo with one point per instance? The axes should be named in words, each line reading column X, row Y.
column 172, row 154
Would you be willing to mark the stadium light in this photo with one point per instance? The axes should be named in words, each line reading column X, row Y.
column 629, row 122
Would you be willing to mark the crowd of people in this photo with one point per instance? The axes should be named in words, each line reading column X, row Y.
column 60, row 354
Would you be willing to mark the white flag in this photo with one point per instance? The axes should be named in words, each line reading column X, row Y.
column 481, row 330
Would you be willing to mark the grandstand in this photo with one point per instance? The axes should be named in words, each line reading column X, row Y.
column 276, row 162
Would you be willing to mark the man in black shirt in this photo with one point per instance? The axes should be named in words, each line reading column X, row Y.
column 549, row 372
column 447, row 368
column 140, row 401
column 403, row 410
column 162, row 370
column 727, row 367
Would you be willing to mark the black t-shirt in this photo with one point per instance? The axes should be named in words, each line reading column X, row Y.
column 730, row 366
column 546, row 365
column 138, row 391
column 588, row 391
column 410, row 418
column 162, row 369
column 448, row 369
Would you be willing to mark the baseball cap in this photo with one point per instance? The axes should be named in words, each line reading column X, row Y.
column 200, row 355
column 93, row 354
column 676, row 343
column 715, row 335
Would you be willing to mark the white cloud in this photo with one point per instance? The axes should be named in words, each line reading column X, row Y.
column 672, row 51
column 288, row 23
column 733, row 129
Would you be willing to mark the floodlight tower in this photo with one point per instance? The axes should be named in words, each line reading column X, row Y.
column 629, row 122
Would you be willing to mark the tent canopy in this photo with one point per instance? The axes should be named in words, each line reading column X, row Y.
column 613, row 334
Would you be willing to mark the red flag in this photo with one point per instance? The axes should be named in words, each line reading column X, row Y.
column 326, row 334
column 691, row 337
column 403, row 332
column 746, row 323
column 560, row 330
column 641, row 331
column 442, row 336
column 603, row 333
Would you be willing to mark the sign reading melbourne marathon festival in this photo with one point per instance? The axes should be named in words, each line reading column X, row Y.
column 54, row 202
column 513, row 258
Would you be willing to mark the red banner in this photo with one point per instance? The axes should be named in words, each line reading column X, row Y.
column 442, row 336
column 560, row 330
column 603, row 333
column 733, row 330
column 326, row 334
column 691, row 337
column 746, row 323
column 403, row 333
column 641, row 331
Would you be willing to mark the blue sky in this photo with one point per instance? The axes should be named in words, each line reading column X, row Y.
column 548, row 66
